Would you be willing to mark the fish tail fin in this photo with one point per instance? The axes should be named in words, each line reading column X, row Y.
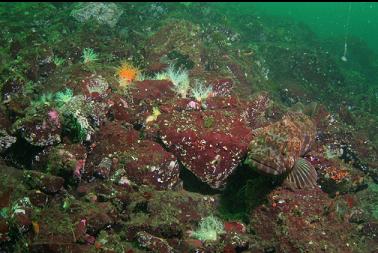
column 302, row 175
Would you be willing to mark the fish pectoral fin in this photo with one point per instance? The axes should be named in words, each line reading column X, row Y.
column 302, row 175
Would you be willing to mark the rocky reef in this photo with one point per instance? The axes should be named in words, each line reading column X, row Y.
column 129, row 127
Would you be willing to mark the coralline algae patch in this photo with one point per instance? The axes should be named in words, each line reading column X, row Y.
column 141, row 161
column 209, row 144
column 303, row 220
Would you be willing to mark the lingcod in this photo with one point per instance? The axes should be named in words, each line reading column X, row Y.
column 278, row 149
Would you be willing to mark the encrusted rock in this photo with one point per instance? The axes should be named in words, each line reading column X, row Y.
column 22, row 221
column 152, row 90
column 255, row 110
column 38, row 129
column 305, row 219
column 56, row 247
column 121, row 156
column 234, row 227
column 111, row 139
column 210, row 144
column 222, row 87
column 173, row 38
column 38, row 198
column 103, row 13
column 120, row 109
column 65, row 160
column 6, row 140
column 148, row 163
column 181, row 210
column 44, row 182
column 98, row 217
column 153, row 243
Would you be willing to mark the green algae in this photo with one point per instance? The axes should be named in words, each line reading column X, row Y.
column 168, row 201
column 115, row 242
column 208, row 122
column 373, row 206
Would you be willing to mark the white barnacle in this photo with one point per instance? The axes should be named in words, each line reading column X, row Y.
column 172, row 164
column 153, row 168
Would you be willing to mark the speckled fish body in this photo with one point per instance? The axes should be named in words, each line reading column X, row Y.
column 275, row 148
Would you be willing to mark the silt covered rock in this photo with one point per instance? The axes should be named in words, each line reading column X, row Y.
column 102, row 13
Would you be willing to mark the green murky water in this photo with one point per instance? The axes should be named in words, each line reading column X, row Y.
column 329, row 19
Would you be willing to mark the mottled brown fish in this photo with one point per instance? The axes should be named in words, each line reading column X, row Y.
column 277, row 149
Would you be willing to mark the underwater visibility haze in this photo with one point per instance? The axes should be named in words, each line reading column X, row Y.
column 188, row 127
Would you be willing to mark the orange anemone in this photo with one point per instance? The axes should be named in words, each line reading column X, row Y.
column 127, row 72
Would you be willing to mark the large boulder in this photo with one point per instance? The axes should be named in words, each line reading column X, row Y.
column 210, row 144
column 119, row 154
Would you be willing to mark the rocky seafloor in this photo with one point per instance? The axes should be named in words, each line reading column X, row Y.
column 152, row 155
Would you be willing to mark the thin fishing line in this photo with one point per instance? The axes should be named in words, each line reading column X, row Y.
column 343, row 58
